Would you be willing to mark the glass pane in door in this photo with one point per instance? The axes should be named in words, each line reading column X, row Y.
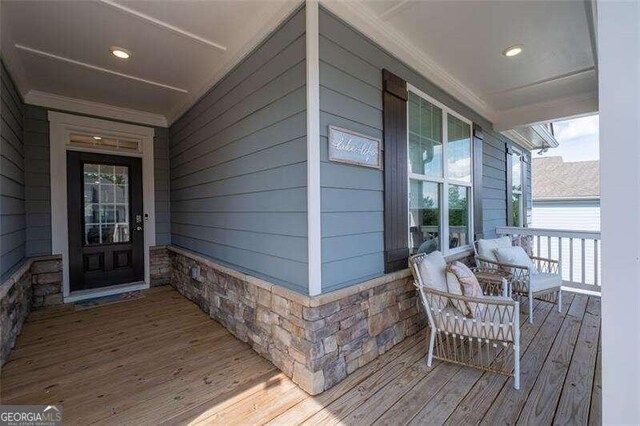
column 106, row 204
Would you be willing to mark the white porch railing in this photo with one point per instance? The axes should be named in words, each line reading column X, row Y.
column 577, row 251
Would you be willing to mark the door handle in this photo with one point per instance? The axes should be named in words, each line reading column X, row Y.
column 138, row 228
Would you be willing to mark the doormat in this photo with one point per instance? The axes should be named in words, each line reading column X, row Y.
column 108, row 300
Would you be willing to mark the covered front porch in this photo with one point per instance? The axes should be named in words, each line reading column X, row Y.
column 154, row 365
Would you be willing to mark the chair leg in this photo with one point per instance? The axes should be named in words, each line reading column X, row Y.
column 516, row 367
column 560, row 300
column 530, row 308
column 432, row 339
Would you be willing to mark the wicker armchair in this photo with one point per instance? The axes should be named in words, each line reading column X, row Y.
column 483, row 342
column 544, row 283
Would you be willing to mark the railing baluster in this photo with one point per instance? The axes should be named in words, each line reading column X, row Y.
column 582, row 258
column 595, row 262
column 571, row 259
column 560, row 257
column 589, row 263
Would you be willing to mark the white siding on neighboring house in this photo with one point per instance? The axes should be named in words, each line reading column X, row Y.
column 572, row 215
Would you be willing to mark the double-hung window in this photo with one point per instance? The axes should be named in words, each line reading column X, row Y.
column 440, row 176
column 516, row 190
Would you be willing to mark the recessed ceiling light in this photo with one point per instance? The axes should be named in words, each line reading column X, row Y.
column 120, row 53
column 97, row 138
column 512, row 51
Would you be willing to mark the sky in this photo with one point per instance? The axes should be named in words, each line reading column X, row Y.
column 578, row 140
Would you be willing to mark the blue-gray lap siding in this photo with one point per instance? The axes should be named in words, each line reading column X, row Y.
column 238, row 164
column 161, row 178
column 352, row 197
column 12, row 181
column 38, row 181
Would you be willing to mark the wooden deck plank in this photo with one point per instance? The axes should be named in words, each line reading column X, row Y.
column 506, row 408
column 595, row 413
column 479, row 398
column 342, row 407
column 543, row 399
column 171, row 363
column 311, row 406
column 576, row 395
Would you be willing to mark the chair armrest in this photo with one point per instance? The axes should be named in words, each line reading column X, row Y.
column 551, row 266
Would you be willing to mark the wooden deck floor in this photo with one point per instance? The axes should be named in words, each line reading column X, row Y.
column 160, row 359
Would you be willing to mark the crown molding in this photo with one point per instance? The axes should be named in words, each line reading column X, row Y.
column 356, row 14
column 80, row 106
column 283, row 12
column 162, row 24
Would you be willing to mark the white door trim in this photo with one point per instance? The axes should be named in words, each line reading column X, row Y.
column 60, row 127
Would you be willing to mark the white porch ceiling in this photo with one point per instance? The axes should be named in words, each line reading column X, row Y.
column 181, row 48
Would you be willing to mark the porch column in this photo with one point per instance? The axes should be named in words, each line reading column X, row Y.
column 619, row 93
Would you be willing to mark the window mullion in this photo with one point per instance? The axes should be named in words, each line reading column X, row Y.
column 445, row 187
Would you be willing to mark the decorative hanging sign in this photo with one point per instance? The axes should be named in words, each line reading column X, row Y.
column 346, row 146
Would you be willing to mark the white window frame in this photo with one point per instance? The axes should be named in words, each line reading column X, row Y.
column 445, row 181
column 517, row 154
column 61, row 126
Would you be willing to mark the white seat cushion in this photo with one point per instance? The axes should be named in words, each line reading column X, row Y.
column 451, row 320
column 544, row 281
column 486, row 248
column 515, row 256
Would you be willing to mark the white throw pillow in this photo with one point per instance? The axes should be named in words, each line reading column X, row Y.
column 433, row 271
column 515, row 256
column 487, row 248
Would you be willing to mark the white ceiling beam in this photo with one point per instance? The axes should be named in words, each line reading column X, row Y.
column 81, row 106
column 97, row 68
column 556, row 109
column 164, row 25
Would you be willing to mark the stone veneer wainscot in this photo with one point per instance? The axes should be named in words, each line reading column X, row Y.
column 35, row 284
column 317, row 341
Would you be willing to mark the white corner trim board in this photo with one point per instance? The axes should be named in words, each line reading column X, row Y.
column 60, row 127
column 313, row 149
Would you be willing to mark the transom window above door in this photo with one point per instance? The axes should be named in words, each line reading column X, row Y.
column 440, row 176
column 104, row 142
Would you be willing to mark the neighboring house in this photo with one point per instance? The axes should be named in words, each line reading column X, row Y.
column 566, row 195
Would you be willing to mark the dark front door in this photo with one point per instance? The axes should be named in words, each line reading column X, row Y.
column 106, row 238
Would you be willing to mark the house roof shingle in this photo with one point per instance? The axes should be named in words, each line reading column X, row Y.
column 553, row 179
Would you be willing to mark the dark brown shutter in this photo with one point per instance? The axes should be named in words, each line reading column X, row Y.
column 396, row 199
column 478, row 140
column 509, row 163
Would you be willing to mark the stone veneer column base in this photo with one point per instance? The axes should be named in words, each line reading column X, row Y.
column 317, row 341
column 159, row 266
